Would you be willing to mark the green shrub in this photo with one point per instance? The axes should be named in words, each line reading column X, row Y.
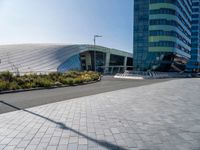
column 4, row 85
column 67, row 81
column 22, row 80
column 70, row 81
column 77, row 80
column 86, row 77
column 57, row 83
column 14, row 86
column 43, row 82
column 61, row 79
column 71, row 74
column 28, row 85
column 54, row 76
column 95, row 76
column 7, row 76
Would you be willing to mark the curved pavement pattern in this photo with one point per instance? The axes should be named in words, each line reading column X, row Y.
column 162, row 116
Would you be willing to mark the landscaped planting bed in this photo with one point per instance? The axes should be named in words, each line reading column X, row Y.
column 8, row 81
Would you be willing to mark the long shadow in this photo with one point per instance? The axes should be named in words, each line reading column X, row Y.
column 103, row 143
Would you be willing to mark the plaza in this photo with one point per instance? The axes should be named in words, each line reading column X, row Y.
column 160, row 116
column 130, row 81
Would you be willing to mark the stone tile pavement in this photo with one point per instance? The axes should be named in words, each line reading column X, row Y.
column 162, row 116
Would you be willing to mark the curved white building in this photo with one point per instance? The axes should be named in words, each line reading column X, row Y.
column 39, row 58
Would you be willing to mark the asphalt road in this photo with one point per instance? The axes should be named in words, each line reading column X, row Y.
column 40, row 97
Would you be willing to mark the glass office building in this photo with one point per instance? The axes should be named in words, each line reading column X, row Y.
column 162, row 34
column 194, row 63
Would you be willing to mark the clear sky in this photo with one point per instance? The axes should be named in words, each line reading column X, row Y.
column 67, row 21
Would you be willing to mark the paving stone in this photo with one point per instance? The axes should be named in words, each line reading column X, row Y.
column 39, row 135
column 15, row 141
column 62, row 147
column 35, row 141
column 130, row 143
column 2, row 137
column 18, row 148
column 51, row 147
column 82, row 147
column 42, row 146
column 28, row 137
column 92, row 148
column 73, row 139
column 57, row 133
column 21, row 135
column 9, row 147
column 31, row 147
column 2, row 147
column 72, row 146
column 64, row 141
column 82, row 141
column 114, row 130
column 92, row 144
column 6, row 141
column 23, row 144
column 54, row 141
column 13, row 134
column 45, row 139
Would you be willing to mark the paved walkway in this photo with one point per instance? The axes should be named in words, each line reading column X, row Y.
column 162, row 116
column 41, row 97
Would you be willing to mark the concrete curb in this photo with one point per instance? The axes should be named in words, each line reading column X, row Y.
column 43, row 88
column 129, row 77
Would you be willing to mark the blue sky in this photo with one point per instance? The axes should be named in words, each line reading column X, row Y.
column 67, row 21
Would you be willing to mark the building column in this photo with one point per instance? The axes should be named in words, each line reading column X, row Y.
column 125, row 63
column 107, row 63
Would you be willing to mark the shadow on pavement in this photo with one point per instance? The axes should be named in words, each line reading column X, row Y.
column 64, row 127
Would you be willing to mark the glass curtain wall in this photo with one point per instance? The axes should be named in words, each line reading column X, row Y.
column 162, row 34
column 194, row 64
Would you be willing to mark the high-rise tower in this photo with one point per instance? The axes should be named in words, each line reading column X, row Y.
column 162, row 34
column 194, row 63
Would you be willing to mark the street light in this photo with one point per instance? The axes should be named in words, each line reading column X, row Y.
column 95, row 36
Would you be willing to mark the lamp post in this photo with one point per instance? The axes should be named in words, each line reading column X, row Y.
column 95, row 36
